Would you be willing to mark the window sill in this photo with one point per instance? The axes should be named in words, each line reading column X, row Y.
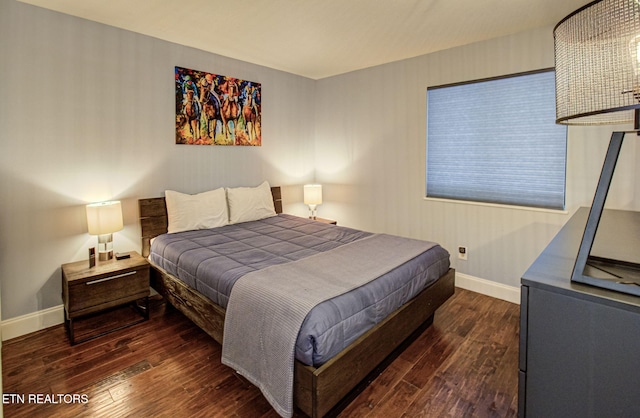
column 497, row 205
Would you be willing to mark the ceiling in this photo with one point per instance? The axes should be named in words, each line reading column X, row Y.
column 320, row 38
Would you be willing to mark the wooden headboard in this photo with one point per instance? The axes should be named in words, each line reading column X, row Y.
column 153, row 217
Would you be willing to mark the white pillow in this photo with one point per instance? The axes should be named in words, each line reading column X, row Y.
column 250, row 203
column 186, row 212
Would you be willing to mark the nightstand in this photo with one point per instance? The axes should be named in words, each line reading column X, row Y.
column 109, row 284
column 326, row 221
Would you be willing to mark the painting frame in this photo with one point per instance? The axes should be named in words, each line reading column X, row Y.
column 214, row 109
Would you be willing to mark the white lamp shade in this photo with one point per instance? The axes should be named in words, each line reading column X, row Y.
column 313, row 194
column 104, row 218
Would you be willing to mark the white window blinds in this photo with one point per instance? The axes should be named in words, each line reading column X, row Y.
column 496, row 141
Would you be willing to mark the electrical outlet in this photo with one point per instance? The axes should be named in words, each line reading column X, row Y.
column 462, row 253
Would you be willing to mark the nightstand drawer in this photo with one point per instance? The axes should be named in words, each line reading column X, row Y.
column 92, row 289
column 104, row 291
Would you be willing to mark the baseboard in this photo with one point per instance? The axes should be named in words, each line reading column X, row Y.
column 36, row 321
column 489, row 288
column 26, row 324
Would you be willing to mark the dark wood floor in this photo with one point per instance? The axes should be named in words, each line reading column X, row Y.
column 465, row 364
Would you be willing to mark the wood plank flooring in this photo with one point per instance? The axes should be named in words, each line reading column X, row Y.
column 464, row 365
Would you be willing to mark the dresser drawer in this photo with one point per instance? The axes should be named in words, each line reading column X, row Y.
column 104, row 291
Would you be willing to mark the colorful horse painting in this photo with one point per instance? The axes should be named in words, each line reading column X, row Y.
column 216, row 110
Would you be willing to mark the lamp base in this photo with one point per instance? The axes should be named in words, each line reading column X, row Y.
column 614, row 261
column 615, row 271
column 105, row 247
column 312, row 211
column 105, row 256
column 612, row 275
column 619, row 236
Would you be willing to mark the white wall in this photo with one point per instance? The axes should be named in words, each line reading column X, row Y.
column 370, row 156
column 87, row 114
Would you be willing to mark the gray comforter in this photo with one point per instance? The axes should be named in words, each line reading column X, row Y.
column 212, row 260
column 260, row 331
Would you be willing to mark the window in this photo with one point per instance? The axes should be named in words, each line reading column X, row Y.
column 496, row 141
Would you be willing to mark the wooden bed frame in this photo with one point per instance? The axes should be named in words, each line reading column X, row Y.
column 316, row 389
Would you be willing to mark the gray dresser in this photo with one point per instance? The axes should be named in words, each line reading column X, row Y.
column 579, row 345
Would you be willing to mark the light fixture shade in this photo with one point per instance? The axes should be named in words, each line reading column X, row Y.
column 104, row 218
column 597, row 53
column 313, row 194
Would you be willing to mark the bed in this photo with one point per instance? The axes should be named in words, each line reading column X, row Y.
column 323, row 378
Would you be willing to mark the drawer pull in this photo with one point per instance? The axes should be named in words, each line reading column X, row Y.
column 112, row 277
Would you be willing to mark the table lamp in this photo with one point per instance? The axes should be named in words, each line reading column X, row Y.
column 103, row 219
column 313, row 198
column 597, row 53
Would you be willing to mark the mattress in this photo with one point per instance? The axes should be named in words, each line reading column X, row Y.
column 212, row 260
